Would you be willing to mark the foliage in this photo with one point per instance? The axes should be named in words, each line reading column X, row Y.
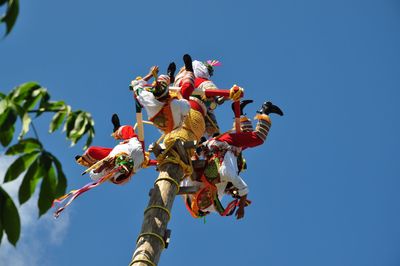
column 11, row 14
column 37, row 163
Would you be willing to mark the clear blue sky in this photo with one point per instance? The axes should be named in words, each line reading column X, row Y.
column 325, row 185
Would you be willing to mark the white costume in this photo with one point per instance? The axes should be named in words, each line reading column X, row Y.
column 228, row 170
column 179, row 107
column 133, row 148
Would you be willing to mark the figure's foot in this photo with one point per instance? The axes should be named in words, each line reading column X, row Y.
column 80, row 160
column 188, row 62
column 242, row 106
column 115, row 122
column 269, row 108
column 171, row 72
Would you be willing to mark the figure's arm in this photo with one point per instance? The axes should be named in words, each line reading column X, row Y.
column 242, row 203
column 138, row 84
column 152, row 73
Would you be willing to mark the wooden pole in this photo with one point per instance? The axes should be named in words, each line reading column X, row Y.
column 151, row 240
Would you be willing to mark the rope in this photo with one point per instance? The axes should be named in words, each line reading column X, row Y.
column 174, row 158
column 143, row 260
column 160, row 139
column 158, row 207
column 171, row 180
column 152, row 234
column 212, row 122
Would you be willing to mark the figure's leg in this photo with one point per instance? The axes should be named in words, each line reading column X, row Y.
column 187, row 83
column 264, row 121
column 92, row 155
column 171, row 72
column 115, row 121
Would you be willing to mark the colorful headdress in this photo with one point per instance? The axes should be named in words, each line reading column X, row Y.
column 161, row 87
column 210, row 66
column 204, row 69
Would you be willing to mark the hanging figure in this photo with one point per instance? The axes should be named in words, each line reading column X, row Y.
column 224, row 163
column 116, row 164
column 203, row 71
column 176, row 114
column 128, row 155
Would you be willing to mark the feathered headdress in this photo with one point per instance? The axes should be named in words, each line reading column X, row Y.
column 210, row 64
column 213, row 63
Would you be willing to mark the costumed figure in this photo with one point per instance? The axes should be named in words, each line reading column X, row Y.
column 129, row 155
column 203, row 73
column 178, row 115
column 224, row 163
column 116, row 164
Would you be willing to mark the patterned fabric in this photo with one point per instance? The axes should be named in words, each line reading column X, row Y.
column 183, row 76
column 164, row 120
column 86, row 160
column 192, row 129
column 211, row 170
column 245, row 124
column 263, row 126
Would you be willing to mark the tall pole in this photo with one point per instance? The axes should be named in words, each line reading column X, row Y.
column 152, row 237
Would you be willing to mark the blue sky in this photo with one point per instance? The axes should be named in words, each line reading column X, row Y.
column 325, row 185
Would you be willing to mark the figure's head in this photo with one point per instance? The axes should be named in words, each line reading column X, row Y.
column 161, row 88
column 125, row 164
column 206, row 69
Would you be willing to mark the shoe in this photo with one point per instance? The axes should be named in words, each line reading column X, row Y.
column 242, row 106
column 171, row 72
column 115, row 122
column 269, row 108
column 188, row 62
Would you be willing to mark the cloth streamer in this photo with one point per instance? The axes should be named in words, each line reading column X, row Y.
column 73, row 194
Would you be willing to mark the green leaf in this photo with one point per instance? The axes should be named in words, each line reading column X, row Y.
column 69, row 124
column 57, row 120
column 55, row 106
column 26, row 121
column 29, row 182
column 47, row 191
column 24, row 146
column 79, row 126
column 3, row 105
column 1, row 228
column 62, row 180
column 21, row 92
column 8, row 118
column 6, row 136
column 31, row 99
column 11, row 15
column 9, row 217
column 20, row 165
column 89, row 139
column 83, row 124
column 44, row 101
